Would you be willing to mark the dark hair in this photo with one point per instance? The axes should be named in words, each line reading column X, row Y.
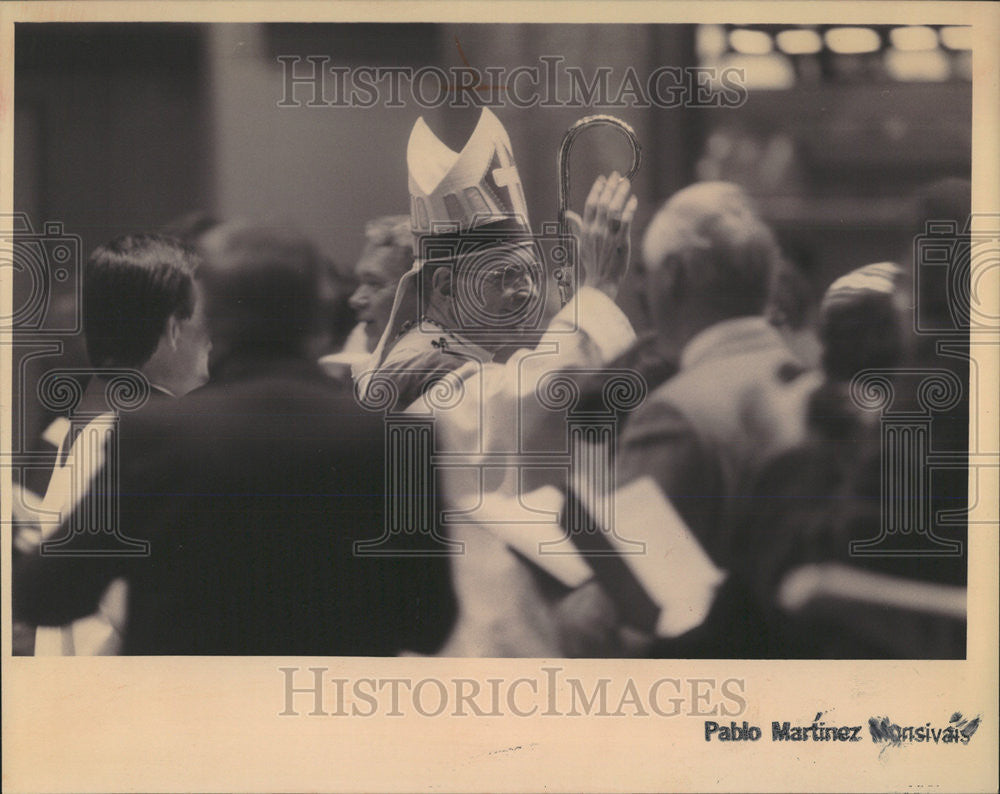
column 262, row 284
column 860, row 325
column 791, row 299
column 131, row 286
column 862, row 333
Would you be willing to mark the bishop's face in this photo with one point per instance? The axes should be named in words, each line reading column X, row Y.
column 498, row 288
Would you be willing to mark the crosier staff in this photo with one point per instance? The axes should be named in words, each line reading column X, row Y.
column 566, row 217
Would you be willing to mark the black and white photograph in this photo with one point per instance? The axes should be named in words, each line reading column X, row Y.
column 468, row 364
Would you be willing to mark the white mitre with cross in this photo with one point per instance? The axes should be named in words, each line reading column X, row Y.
column 475, row 191
column 463, row 190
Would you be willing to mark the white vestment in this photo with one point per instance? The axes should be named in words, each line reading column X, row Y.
column 489, row 416
column 99, row 634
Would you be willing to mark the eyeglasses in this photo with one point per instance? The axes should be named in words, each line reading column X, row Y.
column 508, row 276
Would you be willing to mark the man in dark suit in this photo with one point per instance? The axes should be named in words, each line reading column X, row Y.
column 704, row 433
column 252, row 492
column 144, row 327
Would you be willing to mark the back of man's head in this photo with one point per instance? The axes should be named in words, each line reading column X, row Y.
column 262, row 286
column 717, row 255
column 861, row 323
column 131, row 287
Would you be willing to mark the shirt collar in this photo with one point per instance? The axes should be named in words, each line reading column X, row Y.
column 703, row 344
column 162, row 389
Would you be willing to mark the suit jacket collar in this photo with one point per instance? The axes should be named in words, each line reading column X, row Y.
column 248, row 367
column 94, row 400
column 733, row 337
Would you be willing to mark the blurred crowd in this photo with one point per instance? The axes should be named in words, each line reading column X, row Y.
column 375, row 463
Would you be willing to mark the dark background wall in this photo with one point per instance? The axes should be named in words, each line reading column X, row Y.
column 116, row 133
column 122, row 127
column 112, row 134
column 332, row 168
